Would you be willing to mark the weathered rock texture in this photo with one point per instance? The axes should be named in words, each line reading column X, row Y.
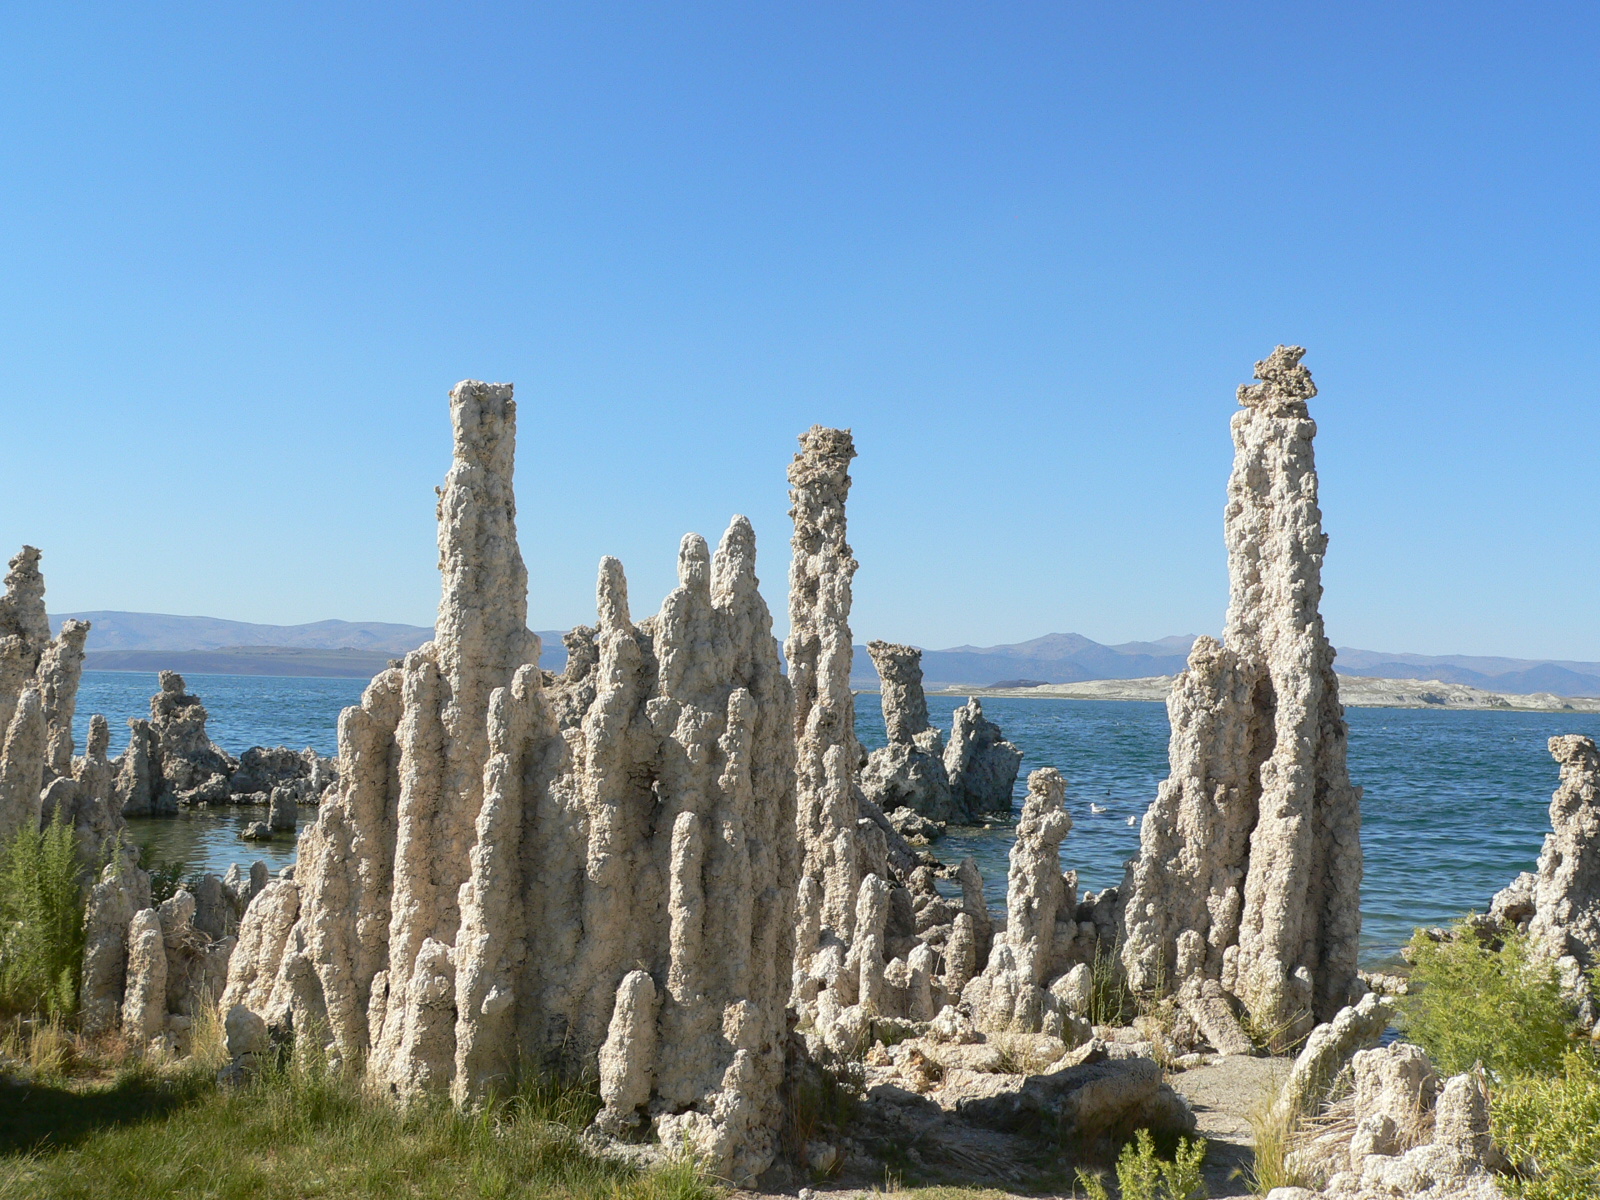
column 819, row 653
column 1400, row 1132
column 591, row 873
column 38, row 697
column 1566, row 889
column 1011, row 993
column 909, row 772
column 958, row 783
column 874, row 940
column 981, row 765
column 171, row 762
column 1249, row 869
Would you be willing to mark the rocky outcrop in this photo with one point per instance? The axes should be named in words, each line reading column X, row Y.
column 187, row 767
column 874, row 940
column 88, row 795
column 123, row 890
column 509, row 857
column 1406, row 1135
column 909, row 772
column 1011, row 993
column 1566, row 888
column 1249, row 868
column 263, row 770
column 960, row 783
column 171, row 762
column 38, row 697
column 819, row 654
column 980, row 764
column 1330, row 1046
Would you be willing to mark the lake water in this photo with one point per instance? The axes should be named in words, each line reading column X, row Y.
column 1456, row 802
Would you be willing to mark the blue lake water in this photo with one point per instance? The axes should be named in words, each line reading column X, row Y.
column 1456, row 802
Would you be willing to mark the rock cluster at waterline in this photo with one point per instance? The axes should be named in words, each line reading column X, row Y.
column 1247, row 884
column 171, row 763
column 591, row 872
column 916, row 771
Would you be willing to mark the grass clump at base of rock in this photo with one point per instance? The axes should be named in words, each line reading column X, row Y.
column 1275, row 1130
column 1470, row 1004
column 152, row 1130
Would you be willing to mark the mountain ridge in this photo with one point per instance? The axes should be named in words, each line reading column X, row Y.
column 139, row 641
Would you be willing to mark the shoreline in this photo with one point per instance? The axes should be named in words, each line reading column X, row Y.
column 1356, row 691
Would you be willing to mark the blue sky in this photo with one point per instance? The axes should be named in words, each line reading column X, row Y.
column 1027, row 251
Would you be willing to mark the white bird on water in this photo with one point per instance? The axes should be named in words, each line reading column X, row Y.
column 1133, row 820
column 1097, row 808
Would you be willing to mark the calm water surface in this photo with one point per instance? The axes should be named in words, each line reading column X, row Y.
column 1456, row 802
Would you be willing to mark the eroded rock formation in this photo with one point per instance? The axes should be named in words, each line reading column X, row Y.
column 1010, row 994
column 171, row 763
column 39, row 678
column 909, row 772
column 874, row 941
column 591, row 873
column 1566, row 888
column 981, row 765
column 916, row 775
column 1249, row 869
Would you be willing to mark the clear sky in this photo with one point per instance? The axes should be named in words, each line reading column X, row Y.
column 1026, row 250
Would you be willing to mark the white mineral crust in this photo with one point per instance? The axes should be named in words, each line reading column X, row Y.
column 590, row 873
column 1249, row 869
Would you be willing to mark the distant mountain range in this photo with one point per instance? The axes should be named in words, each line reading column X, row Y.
column 123, row 641
column 160, row 631
column 1071, row 658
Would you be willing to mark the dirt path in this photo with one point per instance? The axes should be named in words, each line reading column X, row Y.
column 1222, row 1095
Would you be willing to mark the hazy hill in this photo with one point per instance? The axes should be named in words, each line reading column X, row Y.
column 161, row 631
column 124, row 641
column 1073, row 658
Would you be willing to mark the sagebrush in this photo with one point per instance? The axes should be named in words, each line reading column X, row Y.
column 1470, row 1004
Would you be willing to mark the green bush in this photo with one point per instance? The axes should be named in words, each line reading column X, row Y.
column 1552, row 1125
column 1143, row 1175
column 1471, row 1004
column 41, row 920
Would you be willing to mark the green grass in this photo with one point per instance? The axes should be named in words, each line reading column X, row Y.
column 1471, row 1004
column 41, row 920
column 1552, row 1123
column 300, row 1132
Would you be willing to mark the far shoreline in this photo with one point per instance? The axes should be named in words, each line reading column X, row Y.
column 1355, row 691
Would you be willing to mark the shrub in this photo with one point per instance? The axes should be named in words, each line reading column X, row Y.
column 1143, row 1175
column 1110, row 1001
column 1552, row 1125
column 1470, row 1004
column 41, row 920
